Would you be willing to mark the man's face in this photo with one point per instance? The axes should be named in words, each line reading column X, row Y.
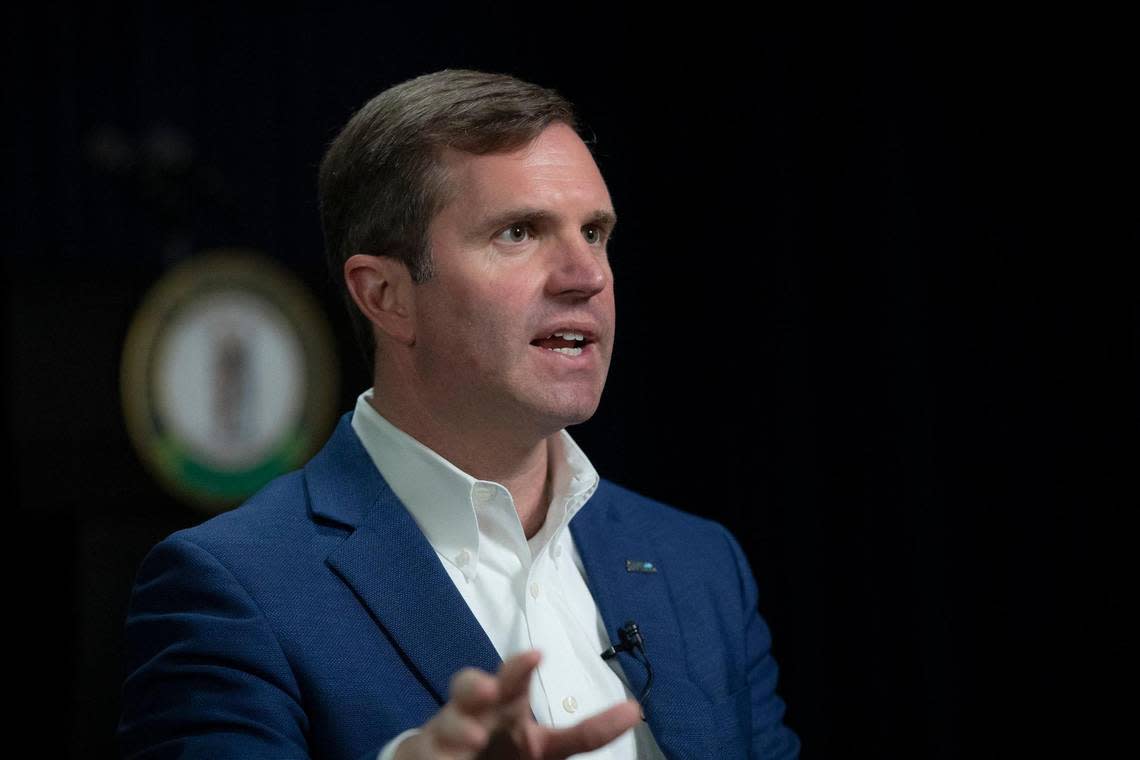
column 519, row 255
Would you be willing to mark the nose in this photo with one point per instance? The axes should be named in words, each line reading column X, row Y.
column 577, row 268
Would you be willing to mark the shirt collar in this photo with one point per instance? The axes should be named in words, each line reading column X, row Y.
column 441, row 497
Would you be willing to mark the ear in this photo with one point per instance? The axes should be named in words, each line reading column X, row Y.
column 382, row 289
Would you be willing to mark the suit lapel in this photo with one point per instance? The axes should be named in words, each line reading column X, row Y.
column 606, row 536
column 604, row 541
column 392, row 568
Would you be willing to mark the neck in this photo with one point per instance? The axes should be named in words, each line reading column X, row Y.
column 520, row 464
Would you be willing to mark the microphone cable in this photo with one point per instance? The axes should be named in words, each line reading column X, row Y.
column 631, row 640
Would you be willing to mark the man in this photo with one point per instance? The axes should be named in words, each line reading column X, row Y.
column 442, row 578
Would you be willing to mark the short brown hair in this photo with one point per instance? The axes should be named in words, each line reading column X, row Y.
column 382, row 180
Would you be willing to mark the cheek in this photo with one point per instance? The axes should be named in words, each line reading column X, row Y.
column 480, row 333
column 480, row 320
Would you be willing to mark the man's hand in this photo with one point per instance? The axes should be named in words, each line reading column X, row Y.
column 488, row 717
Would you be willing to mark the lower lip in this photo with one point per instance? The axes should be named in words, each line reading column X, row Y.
column 587, row 357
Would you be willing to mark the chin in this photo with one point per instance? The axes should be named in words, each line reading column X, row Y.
column 577, row 414
column 556, row 416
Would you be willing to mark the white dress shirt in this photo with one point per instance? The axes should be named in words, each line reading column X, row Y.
column 527, row 594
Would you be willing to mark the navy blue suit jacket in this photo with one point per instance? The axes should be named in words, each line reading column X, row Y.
column 316, row 621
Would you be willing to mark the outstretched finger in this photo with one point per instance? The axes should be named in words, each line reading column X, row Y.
column 473, row 691
column 592, row 733
column 514, row 674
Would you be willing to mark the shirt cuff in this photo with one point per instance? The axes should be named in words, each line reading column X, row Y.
column 389, row 750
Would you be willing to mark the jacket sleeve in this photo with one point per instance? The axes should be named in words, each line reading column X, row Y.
column 206, row 676
column 771, row 739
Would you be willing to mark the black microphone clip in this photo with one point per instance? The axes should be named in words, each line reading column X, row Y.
column 632, row 642
column 630, row 636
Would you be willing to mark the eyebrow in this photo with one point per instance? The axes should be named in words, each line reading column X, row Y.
column 537, row 216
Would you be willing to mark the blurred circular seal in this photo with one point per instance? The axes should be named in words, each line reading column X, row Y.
column 228, row 377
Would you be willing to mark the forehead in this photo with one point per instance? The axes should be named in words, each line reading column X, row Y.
column 555, row 170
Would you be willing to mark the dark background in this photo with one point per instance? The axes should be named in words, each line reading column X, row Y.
column 874, row 315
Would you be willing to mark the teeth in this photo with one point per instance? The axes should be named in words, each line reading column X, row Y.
column 569, row 335
column 567, row 351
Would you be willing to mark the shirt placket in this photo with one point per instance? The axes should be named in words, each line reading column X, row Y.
column 566, row 687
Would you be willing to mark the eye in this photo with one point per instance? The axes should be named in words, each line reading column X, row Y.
column 516, row 233
column 594, row 234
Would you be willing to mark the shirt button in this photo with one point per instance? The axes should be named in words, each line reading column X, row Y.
column 484, row 492
column 463, row 558
column 534, row 589
column 569, row 704
column 556, row 551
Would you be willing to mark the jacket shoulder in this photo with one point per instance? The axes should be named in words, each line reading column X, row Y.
column 647, row 514
column 275, row 514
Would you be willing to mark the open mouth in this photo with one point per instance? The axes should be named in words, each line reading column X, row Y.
column 563, row 342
